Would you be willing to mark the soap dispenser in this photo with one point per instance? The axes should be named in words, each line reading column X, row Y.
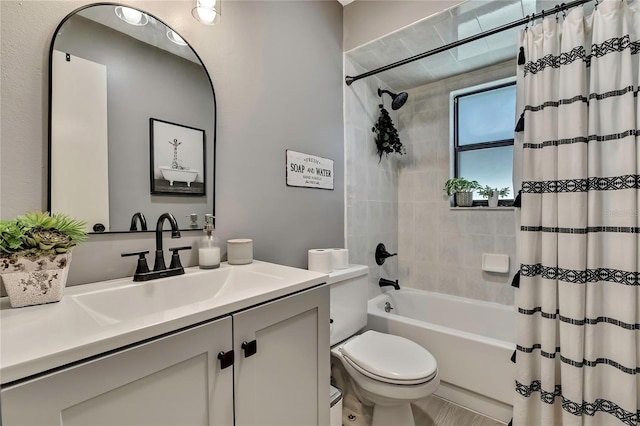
column 208, row 250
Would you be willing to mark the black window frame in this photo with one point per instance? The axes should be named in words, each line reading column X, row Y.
column 481, row 145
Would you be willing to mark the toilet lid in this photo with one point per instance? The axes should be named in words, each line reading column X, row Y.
column 390, row 357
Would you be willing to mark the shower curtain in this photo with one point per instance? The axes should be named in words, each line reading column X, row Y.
column 578, row 341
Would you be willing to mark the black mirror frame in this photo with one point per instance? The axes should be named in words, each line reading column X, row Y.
column 50, row 102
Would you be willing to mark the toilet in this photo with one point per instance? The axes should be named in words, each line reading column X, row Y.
column 387, row 371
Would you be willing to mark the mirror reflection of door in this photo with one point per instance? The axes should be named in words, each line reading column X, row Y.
column 150, row 73
column 79, row 127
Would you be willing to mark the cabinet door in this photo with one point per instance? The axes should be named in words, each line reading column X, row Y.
column 286, row 381
column 174, row 380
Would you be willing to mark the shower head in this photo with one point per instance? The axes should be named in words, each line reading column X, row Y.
column 397, row 100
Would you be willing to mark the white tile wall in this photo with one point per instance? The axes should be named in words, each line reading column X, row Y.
column 399, row 201
column 440, row 248
column 371, row 185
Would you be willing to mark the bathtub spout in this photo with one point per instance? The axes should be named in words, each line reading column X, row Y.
column 385, row 282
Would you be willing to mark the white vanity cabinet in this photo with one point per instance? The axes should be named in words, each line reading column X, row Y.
column 174, row 380
column 178, row 379
column 282, row 362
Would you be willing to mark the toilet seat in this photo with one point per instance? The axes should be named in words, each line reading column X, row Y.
column 389, row 358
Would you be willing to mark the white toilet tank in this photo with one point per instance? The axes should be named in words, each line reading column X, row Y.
column 348, row 306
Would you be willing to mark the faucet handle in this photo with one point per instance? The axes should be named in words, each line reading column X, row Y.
column 175, row 257
column 142, row 267
column 382, row 254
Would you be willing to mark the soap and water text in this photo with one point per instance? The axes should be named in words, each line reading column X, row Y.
column 309, row 171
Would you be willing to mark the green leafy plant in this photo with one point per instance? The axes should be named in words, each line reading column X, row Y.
column 387, row 139
column 40, row 234
column 487, row 191
column 460, row 184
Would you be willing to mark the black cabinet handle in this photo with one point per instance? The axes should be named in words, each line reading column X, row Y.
column 250, row 348
column 226, row 359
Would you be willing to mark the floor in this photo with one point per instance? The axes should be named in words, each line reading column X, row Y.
column 434, row 411
column 431, row 411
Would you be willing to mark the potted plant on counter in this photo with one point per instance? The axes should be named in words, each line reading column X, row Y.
column 35, row 252
column 492, row 194
column 462, row 189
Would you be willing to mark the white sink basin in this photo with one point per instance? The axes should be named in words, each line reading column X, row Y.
column 133, row 300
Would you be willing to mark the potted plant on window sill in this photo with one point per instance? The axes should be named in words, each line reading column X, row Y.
column 462, row 189
column 35, row 253
column 492, row 194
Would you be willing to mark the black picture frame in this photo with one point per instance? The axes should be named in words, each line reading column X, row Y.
column 177, row 156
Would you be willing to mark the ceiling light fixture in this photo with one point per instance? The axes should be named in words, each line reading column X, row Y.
column 174, row 37
column 207, row 11
column 131, row 16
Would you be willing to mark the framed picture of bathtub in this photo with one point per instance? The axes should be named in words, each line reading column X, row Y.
column 177, row 155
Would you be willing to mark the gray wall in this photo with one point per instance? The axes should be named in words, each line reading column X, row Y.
column 143, row 82
column 277, row 71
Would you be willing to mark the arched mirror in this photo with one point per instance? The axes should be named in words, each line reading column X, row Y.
column 132, row 122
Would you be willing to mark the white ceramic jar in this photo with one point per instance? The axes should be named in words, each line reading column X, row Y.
column 239, row 251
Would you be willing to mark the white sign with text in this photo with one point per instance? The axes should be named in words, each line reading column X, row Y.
column 309, row 171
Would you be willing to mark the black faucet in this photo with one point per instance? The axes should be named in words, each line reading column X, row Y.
column 385, row 282
column 175, row 233
column 160, row 270
column 140, row 218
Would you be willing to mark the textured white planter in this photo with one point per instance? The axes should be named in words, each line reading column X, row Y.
column 464, row 199
column 493, row 200
column 34, row 282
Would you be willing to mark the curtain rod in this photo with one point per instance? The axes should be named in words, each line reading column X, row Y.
column 557, row 9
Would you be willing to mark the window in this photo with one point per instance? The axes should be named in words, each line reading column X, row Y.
column 482, row 134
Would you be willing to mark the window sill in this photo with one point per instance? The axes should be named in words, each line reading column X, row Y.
column 484, row 208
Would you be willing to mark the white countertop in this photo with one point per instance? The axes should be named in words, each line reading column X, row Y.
column 38, row 338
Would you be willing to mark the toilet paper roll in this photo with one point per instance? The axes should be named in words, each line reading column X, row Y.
column 339, row 258
column 319, row 260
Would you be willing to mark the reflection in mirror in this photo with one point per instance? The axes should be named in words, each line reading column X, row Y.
column 109, row 78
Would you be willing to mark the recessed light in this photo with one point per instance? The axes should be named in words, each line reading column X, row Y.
column 131, row 16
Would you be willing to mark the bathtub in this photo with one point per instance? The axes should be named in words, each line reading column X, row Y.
column 471, row 340
column 178, row 175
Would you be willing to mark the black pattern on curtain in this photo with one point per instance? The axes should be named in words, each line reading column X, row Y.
column 578, row 340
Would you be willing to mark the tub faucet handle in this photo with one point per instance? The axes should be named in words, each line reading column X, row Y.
column 382, row 254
